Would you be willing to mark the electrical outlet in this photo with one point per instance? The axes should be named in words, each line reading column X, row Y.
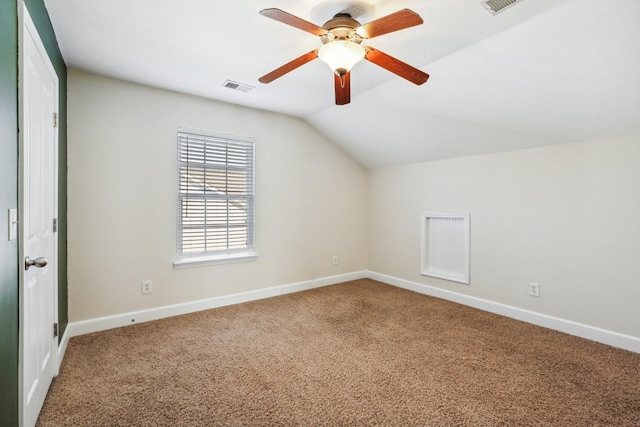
column 146, row 286
column 335, row 260
column 534, row 289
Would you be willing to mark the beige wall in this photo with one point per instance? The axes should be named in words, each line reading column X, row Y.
column 310, row 199
column 565, row 216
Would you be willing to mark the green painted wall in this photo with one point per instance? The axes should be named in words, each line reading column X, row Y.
column 9, row 262
column 8, row 199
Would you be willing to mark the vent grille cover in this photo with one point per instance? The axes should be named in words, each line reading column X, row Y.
column 495, row 6
column 445, row 246
column 238, row 86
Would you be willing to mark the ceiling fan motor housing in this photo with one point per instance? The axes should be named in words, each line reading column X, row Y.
column 342, row 27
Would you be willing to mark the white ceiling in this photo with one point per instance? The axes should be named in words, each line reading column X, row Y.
column 540, row 72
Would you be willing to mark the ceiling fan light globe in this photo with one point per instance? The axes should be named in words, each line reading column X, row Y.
column 341, row 55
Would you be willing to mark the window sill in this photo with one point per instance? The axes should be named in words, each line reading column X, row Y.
column 201, row 261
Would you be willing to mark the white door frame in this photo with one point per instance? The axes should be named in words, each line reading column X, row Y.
column 26, row 28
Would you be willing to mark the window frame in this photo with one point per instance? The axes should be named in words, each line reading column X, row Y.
column 228, row 254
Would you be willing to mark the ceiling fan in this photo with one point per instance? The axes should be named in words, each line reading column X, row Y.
column 341, row 48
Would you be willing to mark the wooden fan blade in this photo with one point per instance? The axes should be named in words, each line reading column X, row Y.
column 400, row 20
column 396, row 66
column 294, row 21
column 289, row 66
column 343, row 88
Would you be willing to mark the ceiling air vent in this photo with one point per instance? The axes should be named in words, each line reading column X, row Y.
column 238, row 86
column 495, row 6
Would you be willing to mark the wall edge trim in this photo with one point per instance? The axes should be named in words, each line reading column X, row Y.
column 593, row 333
column 62, row 349
column 125, row 319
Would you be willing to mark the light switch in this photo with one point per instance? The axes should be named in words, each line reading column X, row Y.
column 13, row 224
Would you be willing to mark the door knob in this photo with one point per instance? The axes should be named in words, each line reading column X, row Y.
column 38, row 262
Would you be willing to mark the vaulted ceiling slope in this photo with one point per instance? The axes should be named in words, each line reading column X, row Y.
column 540, row 72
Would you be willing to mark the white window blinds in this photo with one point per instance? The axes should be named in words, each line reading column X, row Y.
column 215, row 194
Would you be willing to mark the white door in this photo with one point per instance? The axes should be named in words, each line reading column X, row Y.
column 38, row 239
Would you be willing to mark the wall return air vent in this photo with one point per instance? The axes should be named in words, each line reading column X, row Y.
column 445, row 246
column 496, row 6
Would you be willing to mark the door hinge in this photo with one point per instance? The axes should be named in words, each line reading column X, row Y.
column 55, row 330
column 55, row 225
column 55, row 120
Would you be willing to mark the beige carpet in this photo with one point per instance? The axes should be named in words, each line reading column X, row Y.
column 358, row 353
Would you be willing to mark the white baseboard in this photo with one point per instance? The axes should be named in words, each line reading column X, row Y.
column 125, row 319
column 62, row 348
column 592, row 333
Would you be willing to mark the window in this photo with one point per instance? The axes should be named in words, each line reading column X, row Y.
column 445, row 246
column 215, row 198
